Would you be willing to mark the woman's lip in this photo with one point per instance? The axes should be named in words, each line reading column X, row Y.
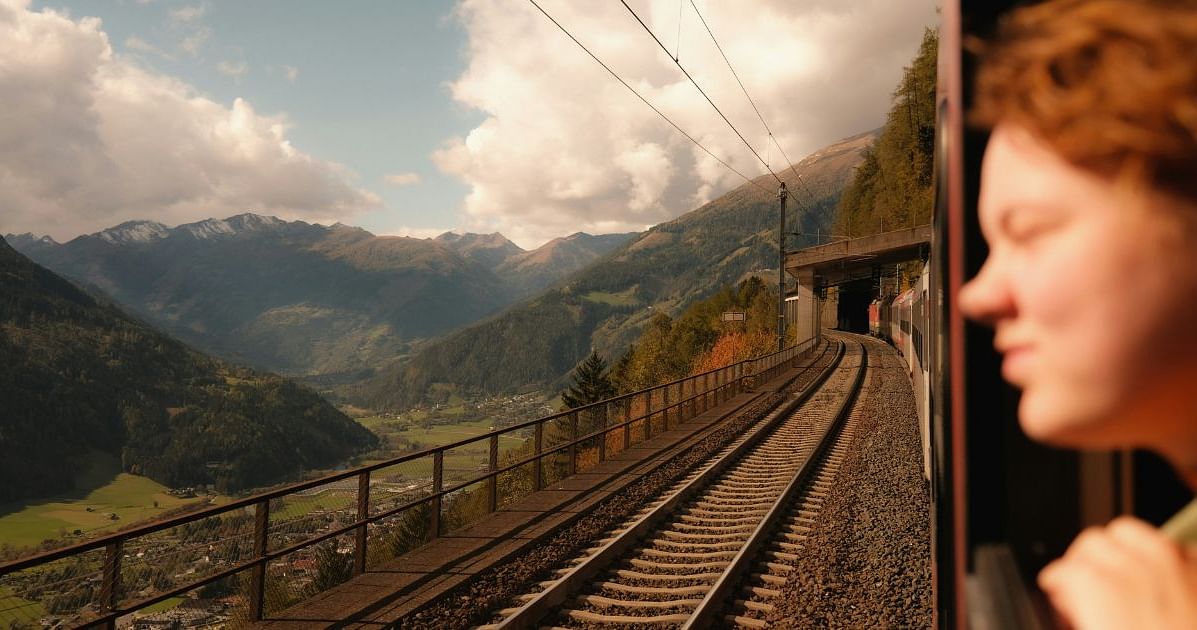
column 1015, row 363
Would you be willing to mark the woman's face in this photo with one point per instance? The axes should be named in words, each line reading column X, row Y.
column 1092, row 293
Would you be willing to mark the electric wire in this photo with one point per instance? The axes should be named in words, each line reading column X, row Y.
column 769, row 131
column 646, row 101
column 700, row 90
column 677, row 52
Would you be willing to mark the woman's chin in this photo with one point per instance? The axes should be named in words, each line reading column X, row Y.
column 1058, row 423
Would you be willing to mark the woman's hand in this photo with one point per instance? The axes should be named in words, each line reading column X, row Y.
column 1124, row 575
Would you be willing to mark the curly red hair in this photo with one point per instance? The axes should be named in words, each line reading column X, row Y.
column 1111, row 85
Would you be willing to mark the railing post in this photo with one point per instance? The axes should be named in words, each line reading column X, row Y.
column 537, row 473
column 627, row 424
column 257, row 585
column 667, row 409
column 573, row 442
column 648, row 415
column 706, row 391
column 363, row 512
column 492, row 484
column 438, row 482
column 602, row 445
column 111, row 585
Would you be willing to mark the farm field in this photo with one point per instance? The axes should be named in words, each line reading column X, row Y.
column 102, row 487
column 13, row 609
column 459, row 463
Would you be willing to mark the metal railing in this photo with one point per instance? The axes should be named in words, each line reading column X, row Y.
column 266, row 552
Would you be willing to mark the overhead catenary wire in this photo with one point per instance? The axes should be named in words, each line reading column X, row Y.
column 769, row 131
column 700, row 90
column 645, row 100
column 677, row 52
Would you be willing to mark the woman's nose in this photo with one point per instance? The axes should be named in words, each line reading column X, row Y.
column 987, row 297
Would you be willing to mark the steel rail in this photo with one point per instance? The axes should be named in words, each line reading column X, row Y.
column 530, row 614
column 706, row 614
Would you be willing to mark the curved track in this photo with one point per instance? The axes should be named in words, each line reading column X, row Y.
column 737, row 521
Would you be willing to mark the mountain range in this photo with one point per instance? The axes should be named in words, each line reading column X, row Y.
column 78, row 375
column 325, row 302
column 605, row 305
column 391, row 322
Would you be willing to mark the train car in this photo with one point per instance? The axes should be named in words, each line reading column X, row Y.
column 875, row 317
column 885, row 315
column 900, row 321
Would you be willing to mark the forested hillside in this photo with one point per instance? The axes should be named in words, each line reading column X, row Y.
column 892, row 188
column 530, row 272
column 78, row 375
column 329, row 303
column 606, row 305
column 698, row 340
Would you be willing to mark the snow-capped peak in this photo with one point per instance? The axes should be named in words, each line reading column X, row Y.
column 28, row 238
column 210, row 228
column 207, row 228
column 249, row 221
column 134, row 232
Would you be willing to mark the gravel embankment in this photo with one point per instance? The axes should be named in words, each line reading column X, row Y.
column 868, row 564
column 472, row 603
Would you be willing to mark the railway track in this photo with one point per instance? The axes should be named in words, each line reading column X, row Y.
column 716, row 545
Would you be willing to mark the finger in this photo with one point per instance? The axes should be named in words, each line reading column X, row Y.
column 1085, row 598
column 1146, row 543
column 1098, row 550
column 1068, row 587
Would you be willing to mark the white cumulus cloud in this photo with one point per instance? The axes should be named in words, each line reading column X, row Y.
column 137, row 44
column 402, row 179
column 89, row 139
column 291, row 72
column 189, row 13
column 195, row 40
column 235, row 69
column 564, row 147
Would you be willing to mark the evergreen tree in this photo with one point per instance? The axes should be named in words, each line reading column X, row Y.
column 332, row 568
column 620, row 373
column 591, row 383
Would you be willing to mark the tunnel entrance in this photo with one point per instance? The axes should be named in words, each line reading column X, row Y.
column 852, row 314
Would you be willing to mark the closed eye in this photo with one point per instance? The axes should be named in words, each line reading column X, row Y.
column 1021, row 226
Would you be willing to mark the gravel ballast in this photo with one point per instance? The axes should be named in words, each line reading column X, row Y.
column 868, row 562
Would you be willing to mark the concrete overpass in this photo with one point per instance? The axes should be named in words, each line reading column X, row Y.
column 846, row 260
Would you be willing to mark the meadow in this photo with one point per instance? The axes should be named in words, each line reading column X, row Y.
column 417, row 433
column 102, row 491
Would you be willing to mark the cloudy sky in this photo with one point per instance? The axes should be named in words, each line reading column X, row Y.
column 420, row 117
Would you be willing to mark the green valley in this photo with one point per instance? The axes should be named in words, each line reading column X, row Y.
column 102, row 492
column 79, row 376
